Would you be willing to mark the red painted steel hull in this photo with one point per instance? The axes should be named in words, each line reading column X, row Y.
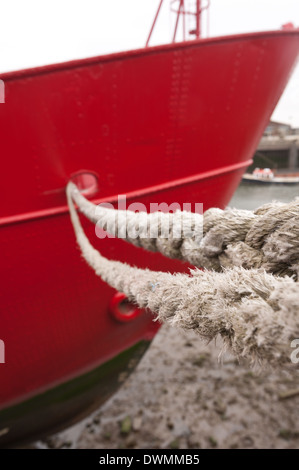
column 175, row 123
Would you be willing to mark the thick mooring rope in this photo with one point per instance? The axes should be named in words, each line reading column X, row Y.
column 173, row 235
column 255, row 312
column 267, row 238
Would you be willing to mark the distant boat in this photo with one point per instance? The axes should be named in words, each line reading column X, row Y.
column 267, row 176
column 176, row 122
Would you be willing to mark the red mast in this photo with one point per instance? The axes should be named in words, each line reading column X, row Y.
column 153, row 25
column 182, row 12
column 197, row 14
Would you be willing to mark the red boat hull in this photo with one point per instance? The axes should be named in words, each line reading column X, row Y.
column 176, row 123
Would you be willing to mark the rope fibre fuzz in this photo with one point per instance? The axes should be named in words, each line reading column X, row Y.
column 267, row 238
column 253, row 311
column 167, row 233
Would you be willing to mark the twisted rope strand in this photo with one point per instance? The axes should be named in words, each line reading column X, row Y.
column 267, row 238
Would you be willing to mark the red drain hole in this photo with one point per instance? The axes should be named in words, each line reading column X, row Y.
column 122, row 309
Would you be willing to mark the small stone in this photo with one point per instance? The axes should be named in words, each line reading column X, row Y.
column 200, row 360
column 51, row 442
column 193, row 443
column 122, row 376
column 126, row 425
column 66, row 445
column 180, row 428
column 232, row 400
column 198, row 395
column 213, row 441
column 130, row 443
column 285, row 434
column 247, row 441
column 234, row 445
column 175, row 444
column 137, row 423
column 219, row 407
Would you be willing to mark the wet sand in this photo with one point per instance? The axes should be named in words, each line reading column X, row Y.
column 182, row 396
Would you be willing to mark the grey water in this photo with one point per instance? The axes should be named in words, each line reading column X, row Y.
column 250, row 196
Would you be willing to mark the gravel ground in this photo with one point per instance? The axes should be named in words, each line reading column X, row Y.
column 182, row 396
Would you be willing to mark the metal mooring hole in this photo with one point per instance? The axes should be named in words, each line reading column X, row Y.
column 86, row 181
column 122, row 309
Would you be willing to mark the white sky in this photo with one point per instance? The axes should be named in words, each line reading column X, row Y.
column 39, row 32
